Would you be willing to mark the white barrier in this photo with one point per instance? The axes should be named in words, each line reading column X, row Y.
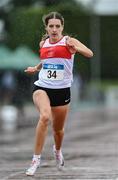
column 112, row 96
column 9, row 117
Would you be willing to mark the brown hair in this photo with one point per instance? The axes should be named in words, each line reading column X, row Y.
column 46, row 18
column 52, row 15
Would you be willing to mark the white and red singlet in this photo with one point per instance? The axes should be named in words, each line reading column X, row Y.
column 57, row 65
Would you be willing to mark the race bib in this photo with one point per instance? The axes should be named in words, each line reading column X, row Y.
column 53, row 71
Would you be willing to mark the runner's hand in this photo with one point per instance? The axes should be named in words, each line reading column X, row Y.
column 71, row 45
column 31, row 70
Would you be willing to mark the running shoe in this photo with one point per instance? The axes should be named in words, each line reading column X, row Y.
column 33, row 167
column 59, row 158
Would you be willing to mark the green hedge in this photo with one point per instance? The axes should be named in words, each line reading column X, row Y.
column 109, row 47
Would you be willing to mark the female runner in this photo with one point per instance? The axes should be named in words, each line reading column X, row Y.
column 51, row 94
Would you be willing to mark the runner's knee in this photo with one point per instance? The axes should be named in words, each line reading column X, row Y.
column 59, row 132
column 44, row 117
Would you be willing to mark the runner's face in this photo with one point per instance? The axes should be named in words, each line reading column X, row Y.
column 54, row 29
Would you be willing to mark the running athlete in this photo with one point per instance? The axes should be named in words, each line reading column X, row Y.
column 51, row 94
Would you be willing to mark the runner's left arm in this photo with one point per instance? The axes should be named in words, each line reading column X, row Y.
column 75, row 45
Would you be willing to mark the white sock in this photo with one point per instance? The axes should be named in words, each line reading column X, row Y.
column 57, row 151
column 36, row 156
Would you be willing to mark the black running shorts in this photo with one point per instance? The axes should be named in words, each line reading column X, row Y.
column 58, row 97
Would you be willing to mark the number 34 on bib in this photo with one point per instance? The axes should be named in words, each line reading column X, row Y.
column 53, row 71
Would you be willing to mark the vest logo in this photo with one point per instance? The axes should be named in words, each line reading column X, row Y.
column 61, row 43
column 50, row 52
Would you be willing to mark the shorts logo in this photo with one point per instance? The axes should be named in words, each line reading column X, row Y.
column 67, row 100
